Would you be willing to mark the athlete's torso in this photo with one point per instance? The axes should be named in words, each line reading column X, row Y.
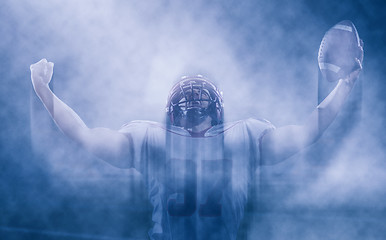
column 197, row 186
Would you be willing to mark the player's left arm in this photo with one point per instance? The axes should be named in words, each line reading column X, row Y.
column 281, row 143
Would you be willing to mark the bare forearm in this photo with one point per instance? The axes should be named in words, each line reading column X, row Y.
column 327, row 110
column 65, row 118
column 283, row 142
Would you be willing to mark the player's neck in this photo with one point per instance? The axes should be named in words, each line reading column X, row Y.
column 200, row 130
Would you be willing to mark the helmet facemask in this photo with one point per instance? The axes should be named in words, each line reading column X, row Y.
column 192, row 101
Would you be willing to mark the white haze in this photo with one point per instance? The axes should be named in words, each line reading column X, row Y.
column 115, row 61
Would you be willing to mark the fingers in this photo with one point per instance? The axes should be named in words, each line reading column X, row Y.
column 361, row 52
column 357, row 69
column 361, row 45
column 351, row 78
column 41, row 72
column 50, row 69
column 359, row 63
column 42, row 62
column 50, row 65
column 354, row 75
column 43, row 65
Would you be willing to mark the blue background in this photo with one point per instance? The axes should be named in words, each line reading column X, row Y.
column 115, row 62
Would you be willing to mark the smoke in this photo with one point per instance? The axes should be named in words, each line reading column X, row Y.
column 115, row 61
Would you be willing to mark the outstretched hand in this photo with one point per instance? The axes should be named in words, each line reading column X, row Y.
column 41, row 72
column 352, row 77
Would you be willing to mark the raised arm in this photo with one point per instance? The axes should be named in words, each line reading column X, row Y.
column 283, row 142
column 109, row 145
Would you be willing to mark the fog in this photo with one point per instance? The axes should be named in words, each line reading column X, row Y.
column 115, row 61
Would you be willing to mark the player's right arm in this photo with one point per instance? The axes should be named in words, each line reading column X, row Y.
column 109, row 145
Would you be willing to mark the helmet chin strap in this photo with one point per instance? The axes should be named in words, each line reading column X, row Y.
column 195, row 117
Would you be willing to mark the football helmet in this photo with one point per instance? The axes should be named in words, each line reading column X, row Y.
column 192, row 100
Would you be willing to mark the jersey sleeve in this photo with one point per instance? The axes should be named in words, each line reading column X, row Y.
column 136, row 133
column 148, row 145
column 257, row 129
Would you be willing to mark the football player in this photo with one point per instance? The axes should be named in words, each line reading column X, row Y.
column 197, row 168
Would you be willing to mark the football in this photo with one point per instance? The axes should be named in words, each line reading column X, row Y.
column 338, row 50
